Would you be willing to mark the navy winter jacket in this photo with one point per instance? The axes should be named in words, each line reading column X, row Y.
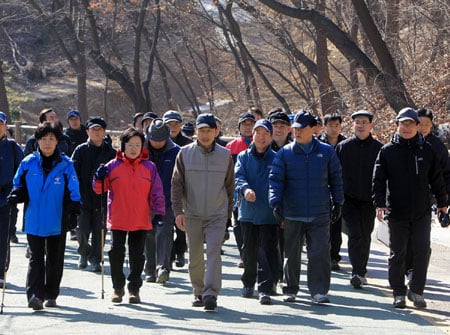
column 252, row 171
column 302, row 183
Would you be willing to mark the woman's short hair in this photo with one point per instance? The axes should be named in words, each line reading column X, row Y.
column 45, row 128
column 129, row 133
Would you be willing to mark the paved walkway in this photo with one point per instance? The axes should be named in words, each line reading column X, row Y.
column 167, row 309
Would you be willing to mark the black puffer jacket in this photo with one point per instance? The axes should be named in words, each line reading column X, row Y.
column 403, row 174
column 87, row 158
column 357, row 160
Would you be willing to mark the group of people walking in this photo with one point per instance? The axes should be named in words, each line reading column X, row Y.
column 281, row 184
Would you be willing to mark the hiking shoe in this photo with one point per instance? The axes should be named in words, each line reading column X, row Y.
column 51, row 303
column 179, row 262
column 14, row 239
column 73, row 235
column 247, row 292
column 320, row 299
column 150, row 278
column 265, row 299
column 35, row 303
column 399, row 301
column 210, row 302
column 241, row 264
column 95, row 267
column 198, row 301
column 418, row 299
column 117, row 295
column 356, row 281
column 82, row 263
column 163, row 276
column 289, row 298
column 335, row 265
column 134, row 297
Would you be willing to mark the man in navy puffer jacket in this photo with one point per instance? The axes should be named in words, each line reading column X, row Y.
column 304, row 175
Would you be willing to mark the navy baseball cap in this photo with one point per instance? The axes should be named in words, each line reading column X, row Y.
column 148, row 116
column 280, row 117
column 304, row 119
column 73, row 112
column 263, row 123
column 3, row 117
column 407, row 114
column 246, row 116
column 189, row 129
column 95, row 121
column 205, row 120
column 172, row 116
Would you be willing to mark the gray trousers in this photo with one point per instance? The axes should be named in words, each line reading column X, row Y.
column 206, row 277
column 158, row 244
column 317, row 234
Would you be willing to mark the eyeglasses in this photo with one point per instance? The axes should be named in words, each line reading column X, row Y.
column 363, row 122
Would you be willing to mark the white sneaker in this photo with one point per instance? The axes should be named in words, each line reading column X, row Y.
column 320, row 299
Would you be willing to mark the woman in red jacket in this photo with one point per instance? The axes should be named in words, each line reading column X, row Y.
column 135, row 192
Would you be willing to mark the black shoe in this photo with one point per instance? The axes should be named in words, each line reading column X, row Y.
column 198, row 301
column 399, row 301
column 51, row 303
column 14, row 239
column 35, row 303
column 356, row 281
column 95, row 267
column 82, row 263
column 210, row 302
column 264, row 299
column 247, row 292
column 335, row 265
column 179, row 262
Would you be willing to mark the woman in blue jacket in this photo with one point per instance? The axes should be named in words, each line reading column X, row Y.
column 46, row 180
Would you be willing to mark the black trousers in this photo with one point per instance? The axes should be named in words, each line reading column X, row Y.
column 90, row 224
column 4, row 239
column 136, row 242
column 360, row 219
column 418, row 232
column 179, row 244
column 260, row 255
column 45, row 268
column 336, row 240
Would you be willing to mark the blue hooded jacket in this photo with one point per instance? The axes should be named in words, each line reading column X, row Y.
column 252, row 172
column 43, row 213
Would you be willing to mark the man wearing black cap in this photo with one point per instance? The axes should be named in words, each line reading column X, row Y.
column 281, row 128
column 304, row 175
column 188, row 130
column 332, row 136
column 357, row 155
column 76, row 131
column 159, row 241
column 245, row 125
column 147, row 120
column 406, row 172
column 202, row 202
column 86, row 158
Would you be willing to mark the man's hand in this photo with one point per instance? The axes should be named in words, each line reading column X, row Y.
column 277, row 212
column 250, row 195
column 381, row 212
column 17, row 196
column 336, row 213
column 180, row 221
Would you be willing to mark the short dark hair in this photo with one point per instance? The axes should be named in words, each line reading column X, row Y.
column 332, row 117
column 255, row 110
column 45, row 128
column 129, row 133
column 43, row 114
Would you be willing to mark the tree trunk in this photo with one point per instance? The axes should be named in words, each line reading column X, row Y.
column 4, row 107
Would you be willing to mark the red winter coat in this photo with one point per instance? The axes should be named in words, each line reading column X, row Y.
column 135, row 192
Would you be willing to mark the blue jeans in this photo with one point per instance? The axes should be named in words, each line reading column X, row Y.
column 317, row 234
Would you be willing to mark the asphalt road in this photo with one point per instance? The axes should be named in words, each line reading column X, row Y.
column 166, row 309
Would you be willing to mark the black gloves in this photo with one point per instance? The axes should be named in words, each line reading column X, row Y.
column 444, row 219
column 277, row 212
column 17, row 196
column 101, row 173
column 73, row 207
column 336, row 213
